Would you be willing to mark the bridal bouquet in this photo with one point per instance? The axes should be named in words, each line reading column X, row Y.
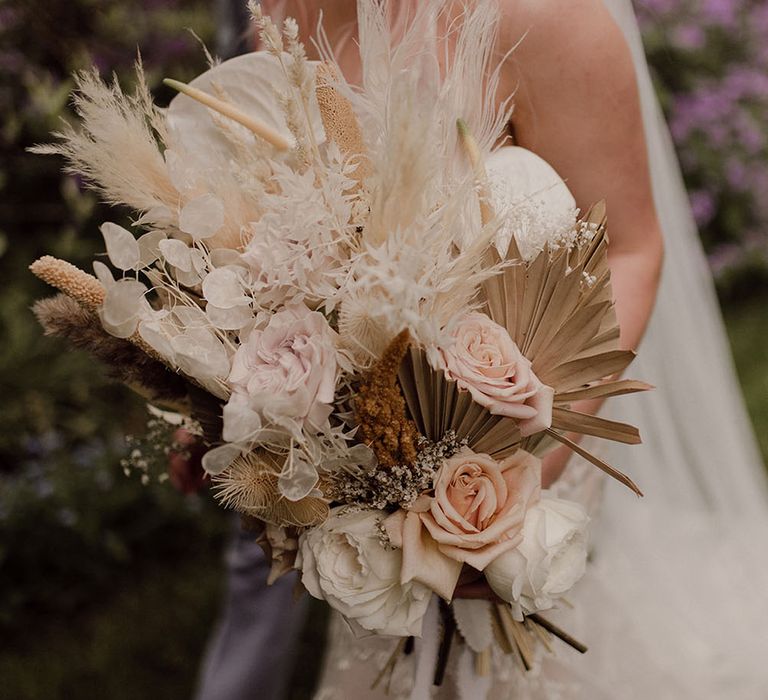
column 375, row 319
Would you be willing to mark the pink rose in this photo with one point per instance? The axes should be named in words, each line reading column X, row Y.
column 485, row 361
column 476, row 514
column 285, row 372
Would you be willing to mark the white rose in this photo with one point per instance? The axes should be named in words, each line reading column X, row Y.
column 548, row 562
column 344, row 563
column 285, row 372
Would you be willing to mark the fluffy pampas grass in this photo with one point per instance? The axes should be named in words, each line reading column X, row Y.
column 116, row 149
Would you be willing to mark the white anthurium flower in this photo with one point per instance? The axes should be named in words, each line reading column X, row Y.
column 247, row 82
column 124, row 306
column 122, row 246
column 202, row 217
column 223, row 288
column 183, row 174
column 149, row 247
column 532, row 200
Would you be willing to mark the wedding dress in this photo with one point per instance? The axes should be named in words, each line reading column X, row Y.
column 675, row 601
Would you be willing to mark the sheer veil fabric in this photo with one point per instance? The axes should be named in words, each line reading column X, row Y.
column 674, row 603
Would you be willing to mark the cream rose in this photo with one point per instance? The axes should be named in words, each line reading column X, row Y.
column 548, row 562
column 484, row 360
column 344, row 563
column 476, row 514
column 285, row 372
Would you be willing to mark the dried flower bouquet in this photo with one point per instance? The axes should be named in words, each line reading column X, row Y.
column 376, row 324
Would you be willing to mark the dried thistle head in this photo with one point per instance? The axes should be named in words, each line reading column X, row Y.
column 380, row 409
column 250, row 486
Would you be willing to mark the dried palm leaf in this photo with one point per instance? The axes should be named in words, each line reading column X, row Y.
column 607, row 468
column 559, row 310
column 437, row 406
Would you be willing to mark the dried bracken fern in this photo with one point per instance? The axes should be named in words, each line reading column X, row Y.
column 380, row 409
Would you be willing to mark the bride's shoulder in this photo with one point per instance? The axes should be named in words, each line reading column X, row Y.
column 556, row 27
column 556, row 15
column 569, row 44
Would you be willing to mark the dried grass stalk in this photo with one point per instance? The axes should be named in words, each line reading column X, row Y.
column 340, row 121
column 85, row 289
column 64, row 317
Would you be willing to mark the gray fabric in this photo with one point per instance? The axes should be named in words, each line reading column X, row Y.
column 249, row 657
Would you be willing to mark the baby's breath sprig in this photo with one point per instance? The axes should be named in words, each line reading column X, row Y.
column 148, row 454
column 398, row 486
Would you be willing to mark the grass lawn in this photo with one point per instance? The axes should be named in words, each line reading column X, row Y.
column 748, row 331
column 143, row 641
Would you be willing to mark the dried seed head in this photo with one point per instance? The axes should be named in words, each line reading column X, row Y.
column 79, row 285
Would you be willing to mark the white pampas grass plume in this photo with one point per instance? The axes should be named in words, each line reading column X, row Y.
column 79, row 285
column 117, row 148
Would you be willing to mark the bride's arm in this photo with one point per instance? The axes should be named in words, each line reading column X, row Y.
column 577, row 105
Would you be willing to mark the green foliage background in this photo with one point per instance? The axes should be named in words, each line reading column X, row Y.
column 108, row 588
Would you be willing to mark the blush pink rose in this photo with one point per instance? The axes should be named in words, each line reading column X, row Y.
column 486, row 362
column 285, row 372
column 477, row 513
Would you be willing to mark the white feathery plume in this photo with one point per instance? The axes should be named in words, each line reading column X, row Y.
column 416, row 86
column 117, row 148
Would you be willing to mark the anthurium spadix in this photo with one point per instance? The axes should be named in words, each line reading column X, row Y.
column 240, row 87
